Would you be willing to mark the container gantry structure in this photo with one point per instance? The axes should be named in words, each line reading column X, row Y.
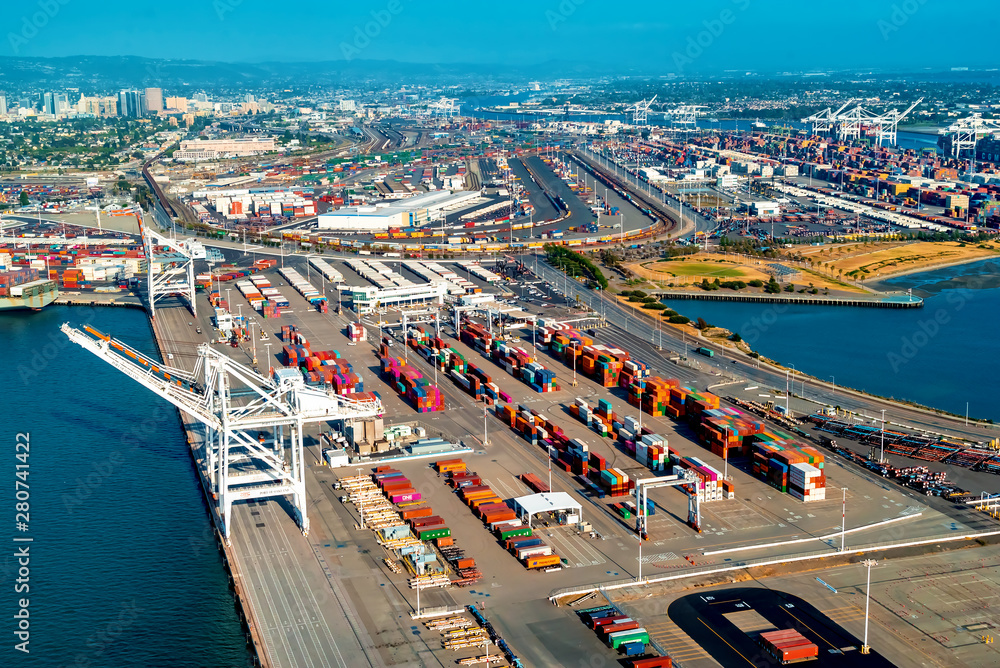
column 250, row 442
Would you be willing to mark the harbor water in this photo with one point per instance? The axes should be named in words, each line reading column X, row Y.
column 124, row 569
column 942, row 355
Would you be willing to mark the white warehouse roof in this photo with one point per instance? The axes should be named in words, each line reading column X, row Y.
column 547, row 502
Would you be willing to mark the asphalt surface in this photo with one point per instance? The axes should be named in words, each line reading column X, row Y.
column 706, row 619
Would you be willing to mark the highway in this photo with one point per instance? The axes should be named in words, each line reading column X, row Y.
column 733, row 364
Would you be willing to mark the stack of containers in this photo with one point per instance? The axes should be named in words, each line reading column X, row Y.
column 651, row 450
column 788, row 645
column 410, row 383
column 697, row 403
column 710, row 479
column 806, row 482
column 355, row 331
column 451, row 466
column 774, row 457
column 296, row 354
column 651, row 395
column 398, row 489
column 539, row 378
column 615, row 482
column 581, row 410
column 516, row 361
column 304, row 287
column 727, row 431
column 632, row 372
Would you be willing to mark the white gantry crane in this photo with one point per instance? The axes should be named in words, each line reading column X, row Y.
column 965, row 133
column 823, row 121
column 445, row 106
column 175, row 258
column 888, row 124
column 686, row 116
column 850, row 125
column 640, row 112
column 251, row 443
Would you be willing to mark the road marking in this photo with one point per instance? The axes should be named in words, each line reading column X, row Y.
column 810, row 628
column 725, row 641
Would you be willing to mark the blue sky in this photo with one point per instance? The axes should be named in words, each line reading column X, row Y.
column 655, row 36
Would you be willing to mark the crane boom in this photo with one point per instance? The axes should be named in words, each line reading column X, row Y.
column 242, row 452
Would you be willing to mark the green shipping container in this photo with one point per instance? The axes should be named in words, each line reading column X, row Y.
column 514, row 533
column 627, row 636
column 625, row 513
column 431, row 534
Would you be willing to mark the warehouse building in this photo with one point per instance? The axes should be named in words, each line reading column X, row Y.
column 212, row 149
column 366, row 299
column 412, row 212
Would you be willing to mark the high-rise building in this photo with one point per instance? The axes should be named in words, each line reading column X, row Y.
column 178, row 103
column 154, row 99
column 49, row 104
column 109, row 106
column 200, row 97
column 3, row 104
column 131, row 103
column 61, row 103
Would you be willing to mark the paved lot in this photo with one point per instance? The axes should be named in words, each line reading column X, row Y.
column 925, row 611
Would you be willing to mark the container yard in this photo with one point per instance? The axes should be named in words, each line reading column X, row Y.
column 619, row 425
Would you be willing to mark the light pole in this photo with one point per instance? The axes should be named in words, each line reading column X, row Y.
column 881, row 448
column 788, row 395
column 843, row 521
column 865, row 649
column 486, row 440
column 548, row 451
column 268, row 346
column 574, row 363
column 639, row 538
column 834, row 379
column 228, row 307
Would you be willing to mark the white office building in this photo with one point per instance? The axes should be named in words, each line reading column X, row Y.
column 411, row 212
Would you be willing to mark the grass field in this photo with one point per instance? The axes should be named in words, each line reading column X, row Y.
column 694, row 268
column 683, row 273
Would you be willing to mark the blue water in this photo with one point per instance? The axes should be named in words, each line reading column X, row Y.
column 906, row 140
column 941, row 355
column 124, row 569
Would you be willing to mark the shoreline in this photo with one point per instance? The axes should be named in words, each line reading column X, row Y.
column 879, row 284
column 732, row 348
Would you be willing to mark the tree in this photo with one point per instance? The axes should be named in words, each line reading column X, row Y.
column 24, row 198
